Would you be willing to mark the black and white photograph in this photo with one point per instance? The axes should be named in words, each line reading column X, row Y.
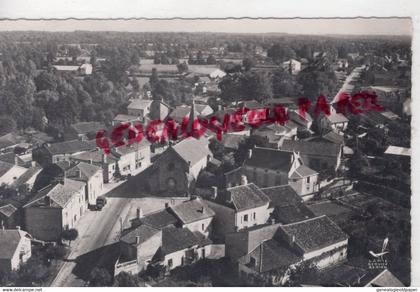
column 206, row 152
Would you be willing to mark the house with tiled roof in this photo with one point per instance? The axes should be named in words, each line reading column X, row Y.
column 338, row 122
column 92, row 176
column 319, row 156
column 10, row 173
column 140, row 108
column 272, row 136
column 330, row 137
column 9, row 141
column 176, row 169
column 268, row 167
column 52, row 153
column 238, row 207
column 83, row 130
column 173, row 237
column 303, row 120
column 125, row 119
column 288, row 206
column 15, row 249
column 9, row 215
column 193, row 214
column 55, row 208
column 123, row 160
column 270, row 251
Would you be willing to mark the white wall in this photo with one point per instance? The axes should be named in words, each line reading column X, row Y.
column 261, row 217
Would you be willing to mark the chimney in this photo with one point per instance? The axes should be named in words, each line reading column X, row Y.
column 249, row 153
column 139, row 213
column 201, row 210
column 137, row 239
column 47, row 201
column 293, row 239
column 244, row 180
column 104, row 158
column 166, row 205
column 273, row 221
column 214, row 195
column 17, row 227
column 228, row 197
column 16, row 160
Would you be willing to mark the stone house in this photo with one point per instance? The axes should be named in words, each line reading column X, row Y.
column 176, row 169
column 92, row 176
column 62, row 151
column 15, row 249
column 267, row 167
column 271, row 251
column 238, row 207
column 54, row 209
column 173, row 237
column 319, row 156
column 83, row 131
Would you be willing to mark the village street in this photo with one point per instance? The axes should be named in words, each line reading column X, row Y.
column 98, row 229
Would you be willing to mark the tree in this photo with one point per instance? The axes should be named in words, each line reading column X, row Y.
column 154, row 78
column 211, row 60
column 285, row 84
column 125, row 279
column 248, row 63
column 99, row 277
column 182, row 67
column 7, row 124
column 70, row 235
column 280, row 53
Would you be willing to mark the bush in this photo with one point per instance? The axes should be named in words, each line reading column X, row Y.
column 70, row 234
column 56, row 252
column 100, row 277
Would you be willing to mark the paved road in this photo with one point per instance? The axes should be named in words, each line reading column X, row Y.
column 347, row 86
column 102, row 228
column 99, row 229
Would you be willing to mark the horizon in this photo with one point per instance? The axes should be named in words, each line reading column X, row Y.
column 290, row 26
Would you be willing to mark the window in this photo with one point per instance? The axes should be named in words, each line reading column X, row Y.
column 171, row 166
column 170, row 263
column 254, row 215
column 202, row 227
column 246, row 218
column 308, row 179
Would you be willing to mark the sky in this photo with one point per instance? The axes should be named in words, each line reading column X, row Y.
column 350, row 26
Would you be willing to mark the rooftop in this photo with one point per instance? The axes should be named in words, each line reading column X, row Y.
column 69, row 147
column 311, row 148
column 270, row 158
column 176, row 239
column 87, row 127
column 276, row 255
column 140, row 104
column 315, row 233
column 302, row 172
column 143, row 232
column 243, row 197
column 192, row 211
column 395, row 150
column 83, row 171
column 159, row 219
column 59, row 194
column 9, row 241
column 283, row 195
column 192, row 150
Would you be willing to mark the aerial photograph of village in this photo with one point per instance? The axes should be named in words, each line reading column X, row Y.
column 205, row 153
